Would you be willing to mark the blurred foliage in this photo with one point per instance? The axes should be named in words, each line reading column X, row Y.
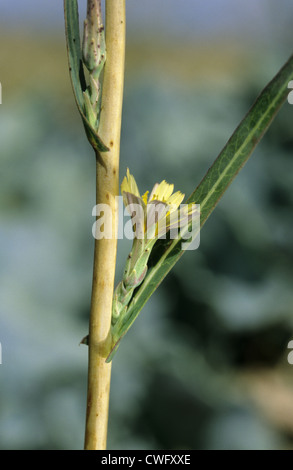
column 205, row 365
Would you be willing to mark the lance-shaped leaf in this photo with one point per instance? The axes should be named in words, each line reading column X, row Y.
column 208, row 193
column 76, row 69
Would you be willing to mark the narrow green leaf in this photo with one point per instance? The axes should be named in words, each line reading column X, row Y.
column 76, row 69
column 208, row 193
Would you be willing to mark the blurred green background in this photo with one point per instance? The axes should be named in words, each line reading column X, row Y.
column 205, row 365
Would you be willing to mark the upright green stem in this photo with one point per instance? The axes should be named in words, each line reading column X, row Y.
column 99, row 372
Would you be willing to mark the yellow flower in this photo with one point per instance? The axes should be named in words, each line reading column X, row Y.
column 160, row 193
column 163, row 192
column 153, row 216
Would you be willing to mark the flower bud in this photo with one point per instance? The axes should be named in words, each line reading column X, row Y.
column 94, row 48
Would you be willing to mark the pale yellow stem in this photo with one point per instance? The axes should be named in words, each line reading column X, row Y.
column 99, row 373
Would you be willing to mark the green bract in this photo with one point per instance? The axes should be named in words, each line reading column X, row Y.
column 88, row 97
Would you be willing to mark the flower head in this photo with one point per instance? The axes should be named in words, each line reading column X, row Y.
column 153, row 215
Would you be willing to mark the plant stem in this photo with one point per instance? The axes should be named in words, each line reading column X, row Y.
column 107, row 166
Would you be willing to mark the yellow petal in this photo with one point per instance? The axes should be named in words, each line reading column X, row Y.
column 175, row 200
column 129, row 185
column 161, row 192
column 164, row 191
